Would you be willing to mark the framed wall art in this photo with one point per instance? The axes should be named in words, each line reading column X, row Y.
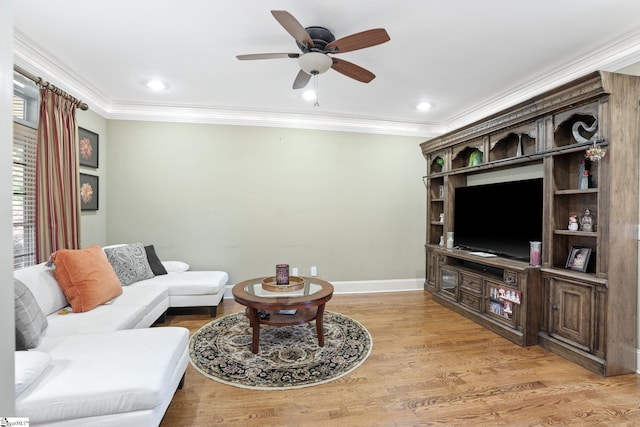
column 88, row 148
column 88, row 192
column 578, row 258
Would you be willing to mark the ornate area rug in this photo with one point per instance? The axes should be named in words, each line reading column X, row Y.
column 289, row 356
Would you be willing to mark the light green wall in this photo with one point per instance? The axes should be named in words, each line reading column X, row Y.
column 242, row 199
column 93, row 224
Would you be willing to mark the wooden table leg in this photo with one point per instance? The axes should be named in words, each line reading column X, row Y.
column 254, row 321
column 319, row 330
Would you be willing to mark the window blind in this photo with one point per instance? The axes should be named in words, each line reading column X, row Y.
column 24, row 200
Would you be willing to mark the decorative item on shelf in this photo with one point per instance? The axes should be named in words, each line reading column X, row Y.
column 442, row 217
column 441, row 241
column 449, row 239
column 586, row 221
column 519, row 150
column 573, row 223
column 575, row 131
column 475, row 158
column 535, row 254
column 578, row 259
column 441, row 192
column 282, row 274
column 437, row 165
column 583, row 175
column 595, row 153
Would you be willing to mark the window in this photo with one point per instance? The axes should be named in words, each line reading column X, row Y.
column 24, row 172
column 24, row 192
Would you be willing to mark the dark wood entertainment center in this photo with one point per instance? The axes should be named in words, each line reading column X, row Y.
column 587, row 317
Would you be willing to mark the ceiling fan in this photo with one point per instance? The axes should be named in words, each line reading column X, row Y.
column 316, row 44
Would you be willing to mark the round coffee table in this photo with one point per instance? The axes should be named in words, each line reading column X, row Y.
column 306, row 304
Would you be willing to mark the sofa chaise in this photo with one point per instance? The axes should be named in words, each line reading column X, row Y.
column 86, row 354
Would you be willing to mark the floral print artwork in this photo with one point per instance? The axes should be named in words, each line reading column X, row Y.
column 85, row 148
column 86, row 192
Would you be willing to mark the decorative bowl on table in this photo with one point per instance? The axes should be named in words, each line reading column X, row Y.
column 270, row 284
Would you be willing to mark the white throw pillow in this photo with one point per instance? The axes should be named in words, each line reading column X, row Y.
column 175, row 266
column 29, row 365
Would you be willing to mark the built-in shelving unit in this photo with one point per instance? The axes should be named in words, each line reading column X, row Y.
column 584, row 312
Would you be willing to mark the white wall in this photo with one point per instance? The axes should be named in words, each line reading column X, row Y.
column 242, row 199
column 7, row 337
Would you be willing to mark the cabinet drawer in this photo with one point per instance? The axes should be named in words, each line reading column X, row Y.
column 471, row 281
column 470, row 300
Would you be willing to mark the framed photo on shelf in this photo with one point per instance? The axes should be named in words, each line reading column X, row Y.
column 578, row 258
column 88, row 148
column 88, row 192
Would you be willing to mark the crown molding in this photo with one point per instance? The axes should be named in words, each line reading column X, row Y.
column 32, row 57
column 190, row 114
column 610, row 57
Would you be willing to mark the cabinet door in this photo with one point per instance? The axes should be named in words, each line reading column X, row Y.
column 448, row 283
column 571, row 312
column 499, row 306
column 432, row 260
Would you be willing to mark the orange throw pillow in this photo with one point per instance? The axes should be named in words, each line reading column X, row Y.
column 85, row 277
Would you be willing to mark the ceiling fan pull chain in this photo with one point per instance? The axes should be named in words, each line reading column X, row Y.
column 315, row 89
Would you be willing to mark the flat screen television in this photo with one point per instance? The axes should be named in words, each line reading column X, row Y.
column 500, row 218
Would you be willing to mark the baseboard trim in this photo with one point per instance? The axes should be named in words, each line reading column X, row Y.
column 365, row 286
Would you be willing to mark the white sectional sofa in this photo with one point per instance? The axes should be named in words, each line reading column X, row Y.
column 102, row 366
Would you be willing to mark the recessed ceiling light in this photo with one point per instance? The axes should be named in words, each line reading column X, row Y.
column 309, row 95
column 156, row 85
column 423, row 106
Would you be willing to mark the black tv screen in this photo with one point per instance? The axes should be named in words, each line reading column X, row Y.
column 500, row 218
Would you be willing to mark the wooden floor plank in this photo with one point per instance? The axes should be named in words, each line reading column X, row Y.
column 428, row 366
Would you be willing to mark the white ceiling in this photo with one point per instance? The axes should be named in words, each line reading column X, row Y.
column 468, row 58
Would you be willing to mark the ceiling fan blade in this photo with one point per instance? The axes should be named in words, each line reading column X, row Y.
column 358, row 41
column 354, row 71
column 293, row 27
column 301, row 80
column 267, row 56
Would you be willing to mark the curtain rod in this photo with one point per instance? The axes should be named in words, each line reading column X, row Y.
column 42, row 83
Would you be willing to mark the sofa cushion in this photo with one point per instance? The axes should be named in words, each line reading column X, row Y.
column 129, row 262
column 30, row 320
column 106, row 373
column 190, row 282
column 86, row 277
column 28, row 366
column 40, row 280
column 154, row 261
column 104, row 318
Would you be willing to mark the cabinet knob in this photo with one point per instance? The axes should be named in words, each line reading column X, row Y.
column 554, row 307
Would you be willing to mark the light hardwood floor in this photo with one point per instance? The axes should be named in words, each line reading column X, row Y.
column 428, row 366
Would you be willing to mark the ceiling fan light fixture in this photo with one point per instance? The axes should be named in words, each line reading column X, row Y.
column 315, row 62
column 156, row 85
column 309, row 95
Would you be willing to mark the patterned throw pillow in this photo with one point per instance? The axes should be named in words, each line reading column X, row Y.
column 30, row 320
column 129, row 262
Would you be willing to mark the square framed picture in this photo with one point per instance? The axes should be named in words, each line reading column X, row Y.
column 88, row 192
column 88, row 148
column 578, row 258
